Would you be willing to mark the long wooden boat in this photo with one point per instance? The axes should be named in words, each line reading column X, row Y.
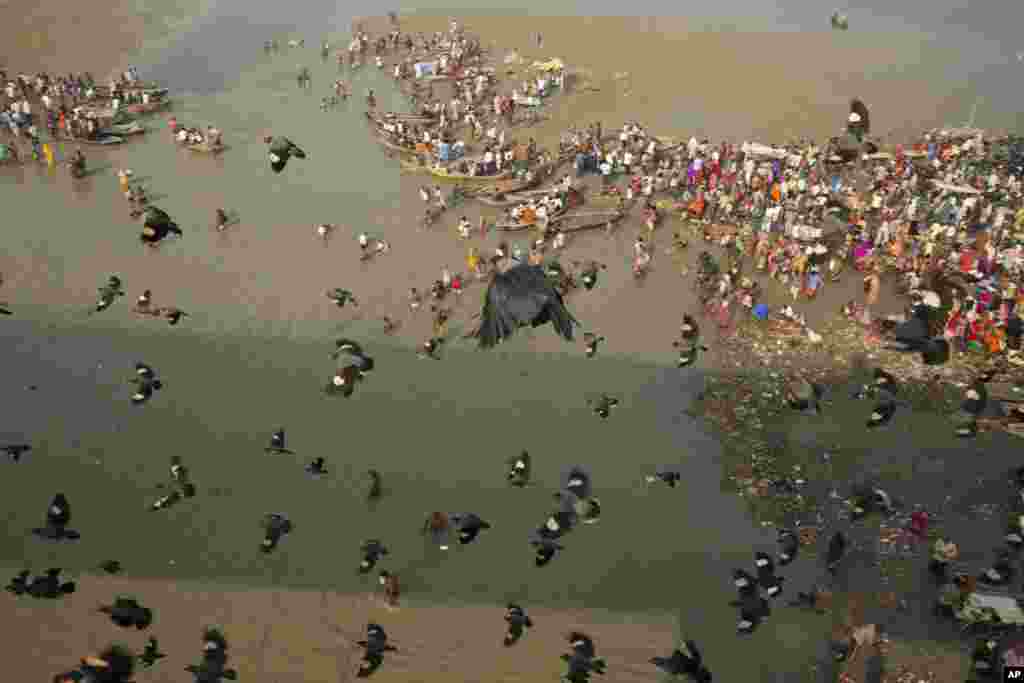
column 106, row 113
column 445, row 175
column 137, row 86
column 508, row 201
column 379, row 120
column 516, row 198
column 578, row 221
column 100, row 141
column 394, row 146
column 569, row 221
column 124, row 129
column 404, row 118
column 505, row 188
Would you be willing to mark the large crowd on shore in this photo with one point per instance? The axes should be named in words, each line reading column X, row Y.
column 944, row 212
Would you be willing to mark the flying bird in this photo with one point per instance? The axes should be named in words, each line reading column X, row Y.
column 744, row 582
column 50, row 585
column 213, row 667
column 157, row 226
column 111, row 566
column 181, row 483
column 151, row 654
column 277, row 444
column 582, row 660
column 15, row 451
column 281, row 150
column 753, row 610
column 545, row 547
column 578, row 481
column 769, row 581
column 128, row 613
column 58, row 516
column 602, row 406
column 275, row 526
column 684, row 661
column 667, row 475
column 317, row 468
column 374, row 488
column 518, row 297
column 518, row 621
column 340, row 297
column 468, row 526
column 146, row 384
column 374, row 648
column 789, row 546
column 109, row 293
column 372, row 550
column 358, row 367
column 519, row 470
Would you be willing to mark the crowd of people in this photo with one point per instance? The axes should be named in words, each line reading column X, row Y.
column 66, row 106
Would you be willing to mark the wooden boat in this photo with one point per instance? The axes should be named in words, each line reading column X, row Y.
column 569, row 221
column 504, row 189
column 100, row 140
column 516, row 198
column 578, row 221
column 133, row 87
column 445, row 175
column 508, row 201
column 404, row 118
column 394, row 146
column 124, row 129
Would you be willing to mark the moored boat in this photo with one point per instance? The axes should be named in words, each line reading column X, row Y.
column 570, row 221
column 124, row 129
column 462, row 178
column 100, row 140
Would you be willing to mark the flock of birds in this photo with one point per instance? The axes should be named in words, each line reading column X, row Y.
column 519, row 297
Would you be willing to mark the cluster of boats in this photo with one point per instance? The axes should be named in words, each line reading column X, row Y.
column 115, row 126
